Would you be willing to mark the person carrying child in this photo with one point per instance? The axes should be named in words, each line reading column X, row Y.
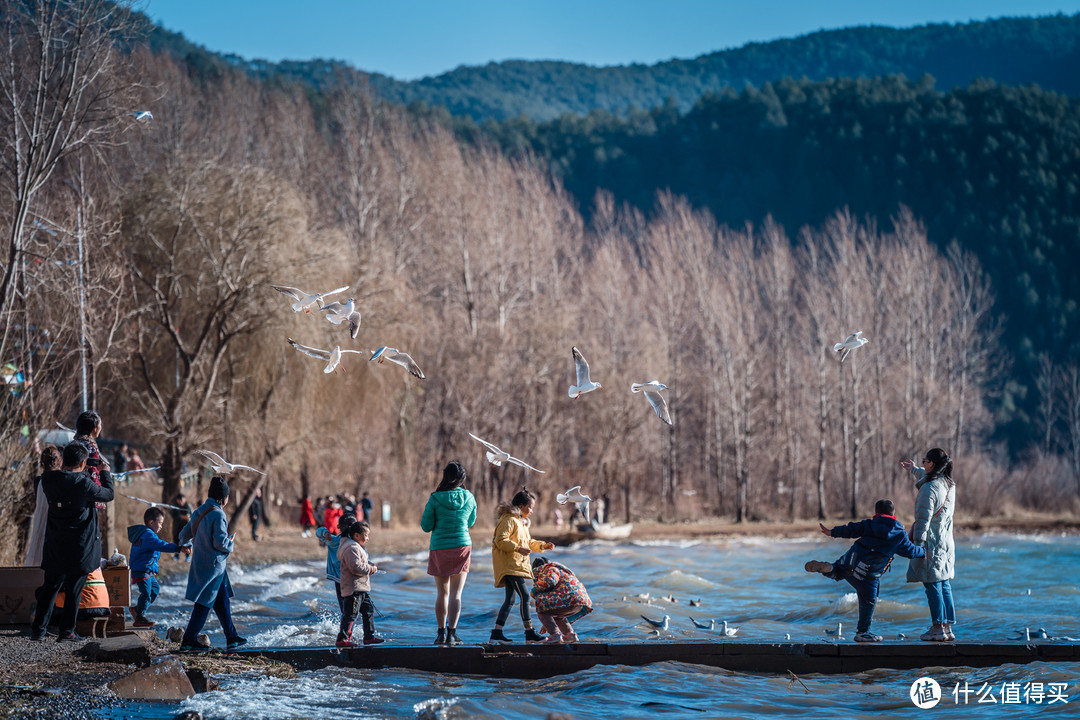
column 356, row 572
column 510, row 549
column 146, row 547
column 877, row 540
column 333, row 566
column 560, row 598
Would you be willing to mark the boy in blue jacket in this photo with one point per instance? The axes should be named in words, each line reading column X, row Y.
column 878, row 539
column 146, row 547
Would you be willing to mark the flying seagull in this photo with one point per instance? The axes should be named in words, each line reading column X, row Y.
column 338, row 313
column 304, row 300
column 331, row 357
column 221, row 467
column 151, row 503
column 854, row 341
column 497, row 457
column 574, row 495
column 65, row 428
column 584, row 384
column 658, row 624
column 396, row 356
column 652, row 394
column 142, row 115
column 121, row 476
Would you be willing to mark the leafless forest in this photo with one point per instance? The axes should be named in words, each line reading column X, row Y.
column 484, row 271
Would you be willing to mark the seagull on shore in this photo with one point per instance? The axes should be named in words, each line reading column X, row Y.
column 575, row 495
column 142, row 115
column 711, row 625
column 304, row 300
column 652, row 394
column 338, row 313
column 396, row 356
column 221, row 467
column 853, row 342
column 151, row 503
column 332, row 358
column 584, row 383
column 839, row 631
column 497, row 457
column 728, row 631
column 658, row 624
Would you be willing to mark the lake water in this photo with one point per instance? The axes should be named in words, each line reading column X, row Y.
column 1005, row 583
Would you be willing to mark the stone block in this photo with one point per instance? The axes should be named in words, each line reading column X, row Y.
column 165, row 681
column 126, row 649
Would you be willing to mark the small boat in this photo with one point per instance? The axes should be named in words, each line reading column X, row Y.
column 605, row 531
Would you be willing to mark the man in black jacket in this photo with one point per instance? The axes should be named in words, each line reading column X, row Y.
column 72, row 541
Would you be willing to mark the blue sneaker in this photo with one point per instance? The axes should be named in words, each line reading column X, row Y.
column 236, row 642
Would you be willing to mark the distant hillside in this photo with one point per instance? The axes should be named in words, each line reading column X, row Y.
column 1011, row 51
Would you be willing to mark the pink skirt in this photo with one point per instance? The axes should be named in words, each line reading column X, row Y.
column 451, row 561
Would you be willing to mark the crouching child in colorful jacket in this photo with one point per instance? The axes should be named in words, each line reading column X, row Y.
column 878, row 539
column 560, row 597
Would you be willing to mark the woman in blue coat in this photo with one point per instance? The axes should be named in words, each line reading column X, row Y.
column 208, row 581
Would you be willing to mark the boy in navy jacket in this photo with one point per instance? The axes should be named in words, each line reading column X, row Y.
column 878, row 539
column 146, row 547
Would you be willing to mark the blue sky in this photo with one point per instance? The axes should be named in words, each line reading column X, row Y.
column 408, row 39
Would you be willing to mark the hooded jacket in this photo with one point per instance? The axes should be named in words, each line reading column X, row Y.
column 879, row 538
column 208, row 531
column 355, row 568
column 933, row 529
column 511, row 533
column 146, row 547
column 72, row 539
column 557, row 588
column 448, row 516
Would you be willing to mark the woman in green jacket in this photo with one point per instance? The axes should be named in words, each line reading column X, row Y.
column 450, row 512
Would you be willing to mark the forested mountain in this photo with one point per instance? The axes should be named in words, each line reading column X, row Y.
column 1012, row 51
column 997, row 168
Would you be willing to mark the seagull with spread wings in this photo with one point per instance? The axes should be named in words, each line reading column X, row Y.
column 652, row 394
column 122, row 476
column 332, row 358
column 151, row 503
column 584, row 383
column 853, row 342
column 338, row 313
column 304, row 300
column 221, row 467
column 396, row 356
column 497, row 457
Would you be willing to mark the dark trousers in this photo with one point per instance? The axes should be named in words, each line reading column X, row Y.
column 866, row 589
column 201, row 612
column 340, row 600
column 72, row 585
column 359, row 602
column 515, row 588
column 255, row 527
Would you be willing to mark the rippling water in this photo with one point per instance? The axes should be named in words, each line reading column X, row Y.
column 1005, row 583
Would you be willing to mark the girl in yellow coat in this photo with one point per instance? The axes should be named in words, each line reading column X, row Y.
column 510, row 550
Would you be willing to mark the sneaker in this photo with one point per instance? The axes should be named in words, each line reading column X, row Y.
column 142, row 621
column 570, row 637
column 374, row 640
column 345, row 644
column 818, row 566
column 949, row 635
column 452, row 638
column 71, row 637
column 497, row 636
column 186, row 649
column 936, row 633
column 236, row 642
column 555, row 638
column 867, row 637
column 37, row 636
column 440, row 639
column 533, row 636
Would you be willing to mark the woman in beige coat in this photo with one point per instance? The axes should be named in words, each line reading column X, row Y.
column 933, row 530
